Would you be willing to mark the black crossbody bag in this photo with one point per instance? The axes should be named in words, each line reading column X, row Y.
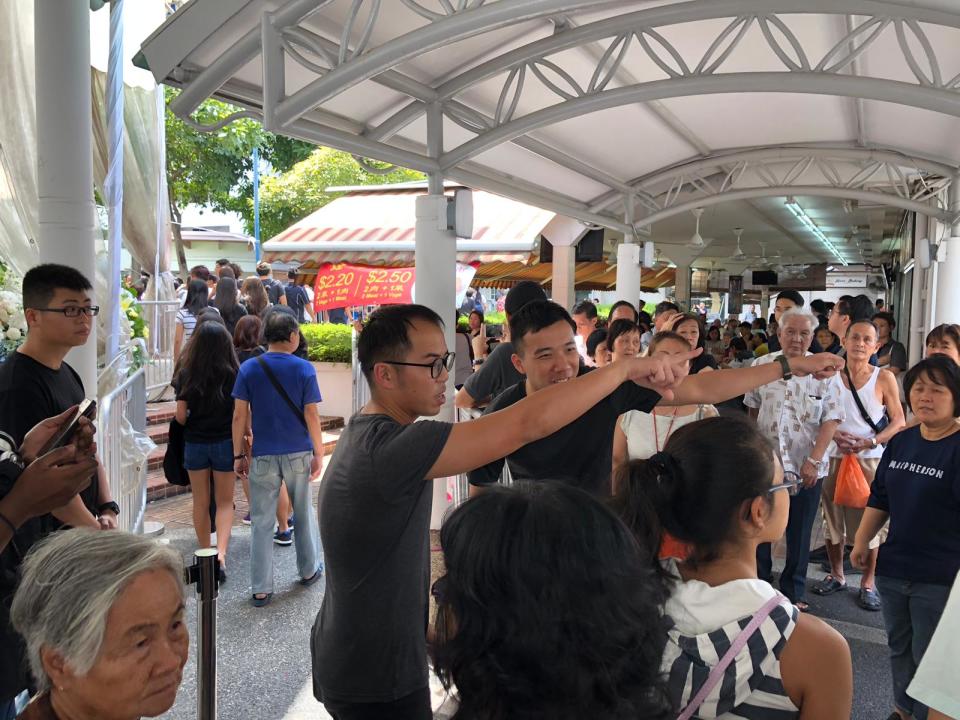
column 283, row 393
column 877, row 427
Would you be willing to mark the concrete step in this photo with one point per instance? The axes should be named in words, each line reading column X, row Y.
column 159, row 489
column 160, row 413
column 159, row 433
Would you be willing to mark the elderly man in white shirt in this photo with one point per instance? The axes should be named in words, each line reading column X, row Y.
column 799, row 416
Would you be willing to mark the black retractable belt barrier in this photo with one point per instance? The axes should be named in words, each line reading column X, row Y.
column 203, row 573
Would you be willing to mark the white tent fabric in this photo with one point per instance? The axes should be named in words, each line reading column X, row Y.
column 627, row 114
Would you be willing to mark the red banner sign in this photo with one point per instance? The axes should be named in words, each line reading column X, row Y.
column 341, row 285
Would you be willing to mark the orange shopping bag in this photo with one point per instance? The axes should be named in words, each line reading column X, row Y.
column 852, row 489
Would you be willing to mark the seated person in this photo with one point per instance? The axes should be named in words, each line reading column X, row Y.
column 102, row 616
column 794, row 665
column 548, row 609
column 597, row 348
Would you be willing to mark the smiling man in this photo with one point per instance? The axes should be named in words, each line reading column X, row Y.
column 581, row 452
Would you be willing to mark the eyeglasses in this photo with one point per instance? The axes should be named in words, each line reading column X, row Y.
column 445, row 362
column 791, row 483
column 73, row 311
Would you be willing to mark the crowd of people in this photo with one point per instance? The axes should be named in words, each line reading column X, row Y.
column 626, row 573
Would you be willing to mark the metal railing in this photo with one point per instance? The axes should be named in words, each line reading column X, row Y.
column 361, row 391
column 118, row 411
column 161, row 316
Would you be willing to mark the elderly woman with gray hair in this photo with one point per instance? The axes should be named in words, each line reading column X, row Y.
column 102, row 616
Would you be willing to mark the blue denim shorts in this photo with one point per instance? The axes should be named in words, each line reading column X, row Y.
column 201, row 456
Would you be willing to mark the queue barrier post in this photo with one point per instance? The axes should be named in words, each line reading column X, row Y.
column 204, row 573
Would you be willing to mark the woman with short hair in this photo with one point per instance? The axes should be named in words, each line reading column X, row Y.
column 917, row 488
column 690, row 328
column 944, row 340
column 548, row 609
column 719, row 487
column 623, row 339
column 102, row 617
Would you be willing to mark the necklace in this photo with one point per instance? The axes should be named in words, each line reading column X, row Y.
column 934, row 434
column 656, row 433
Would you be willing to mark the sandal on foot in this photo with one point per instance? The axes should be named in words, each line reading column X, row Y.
column 828, row 586
column 802, row 606
column 869, row 599
column 261, row 601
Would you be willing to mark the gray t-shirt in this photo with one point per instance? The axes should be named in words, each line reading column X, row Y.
column 495, row 375
column 369, row 640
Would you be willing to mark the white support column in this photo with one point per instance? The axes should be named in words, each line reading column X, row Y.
column 564, row 275
column 919, row 299
column 435, row 258
column 683, row 257
column 948, row 266
column 765, row 302
column 629, row 272
column 64, row 151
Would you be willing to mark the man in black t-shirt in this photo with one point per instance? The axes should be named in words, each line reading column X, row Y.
column 370, row 658
column 581, row 453
column 35, row 384
column 497, row 372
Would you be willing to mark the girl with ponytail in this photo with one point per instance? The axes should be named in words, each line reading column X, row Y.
column 718, row 486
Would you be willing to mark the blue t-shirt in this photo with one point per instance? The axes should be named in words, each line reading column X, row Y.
column 918, row 483
column 276, row 430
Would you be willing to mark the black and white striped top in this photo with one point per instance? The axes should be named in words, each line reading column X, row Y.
column 706, row 622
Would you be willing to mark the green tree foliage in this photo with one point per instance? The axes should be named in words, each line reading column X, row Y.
column 216, row 168
column 293, row 195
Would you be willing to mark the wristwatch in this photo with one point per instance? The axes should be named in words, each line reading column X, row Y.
column 873, row 441
column 240, row 457
column 111, row 506
column 785, row 367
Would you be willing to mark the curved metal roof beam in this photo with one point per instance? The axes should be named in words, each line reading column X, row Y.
column 807, row 190
column 493, row 16
column 900, row 93
column 723, row 162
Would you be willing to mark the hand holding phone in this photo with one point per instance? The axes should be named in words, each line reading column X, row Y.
column 87, row 409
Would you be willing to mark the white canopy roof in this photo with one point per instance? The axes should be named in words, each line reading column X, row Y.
column 625, row 114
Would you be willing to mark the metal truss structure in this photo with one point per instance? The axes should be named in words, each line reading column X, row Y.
column 537, row 69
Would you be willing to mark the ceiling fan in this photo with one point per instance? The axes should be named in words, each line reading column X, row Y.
column 696, row 242
column 739, row 254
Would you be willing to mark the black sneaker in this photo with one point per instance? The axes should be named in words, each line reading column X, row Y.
column 283, row 538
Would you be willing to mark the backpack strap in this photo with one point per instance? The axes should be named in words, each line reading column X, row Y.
column 283, row 393
column 716, row 675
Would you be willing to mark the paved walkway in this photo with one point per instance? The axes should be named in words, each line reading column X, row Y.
column 264, row 653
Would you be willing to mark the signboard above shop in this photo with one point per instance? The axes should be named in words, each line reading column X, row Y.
column 846, row 280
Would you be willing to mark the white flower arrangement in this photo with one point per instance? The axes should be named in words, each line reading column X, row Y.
column 13, row 323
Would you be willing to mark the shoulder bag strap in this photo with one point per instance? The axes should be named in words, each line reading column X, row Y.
column 856, row 398
column 283, row 393
column 716, row 675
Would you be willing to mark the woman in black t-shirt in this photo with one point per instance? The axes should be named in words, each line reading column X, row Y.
column 204, row 385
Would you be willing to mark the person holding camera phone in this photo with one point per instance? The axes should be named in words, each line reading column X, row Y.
column 32, row 485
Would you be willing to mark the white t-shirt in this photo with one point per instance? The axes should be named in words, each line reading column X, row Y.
column 639, row 426
column 935, row 682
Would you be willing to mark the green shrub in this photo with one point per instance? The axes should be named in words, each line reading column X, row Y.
column 327, row 342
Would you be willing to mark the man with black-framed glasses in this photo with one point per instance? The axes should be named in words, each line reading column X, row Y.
column 35, row 384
